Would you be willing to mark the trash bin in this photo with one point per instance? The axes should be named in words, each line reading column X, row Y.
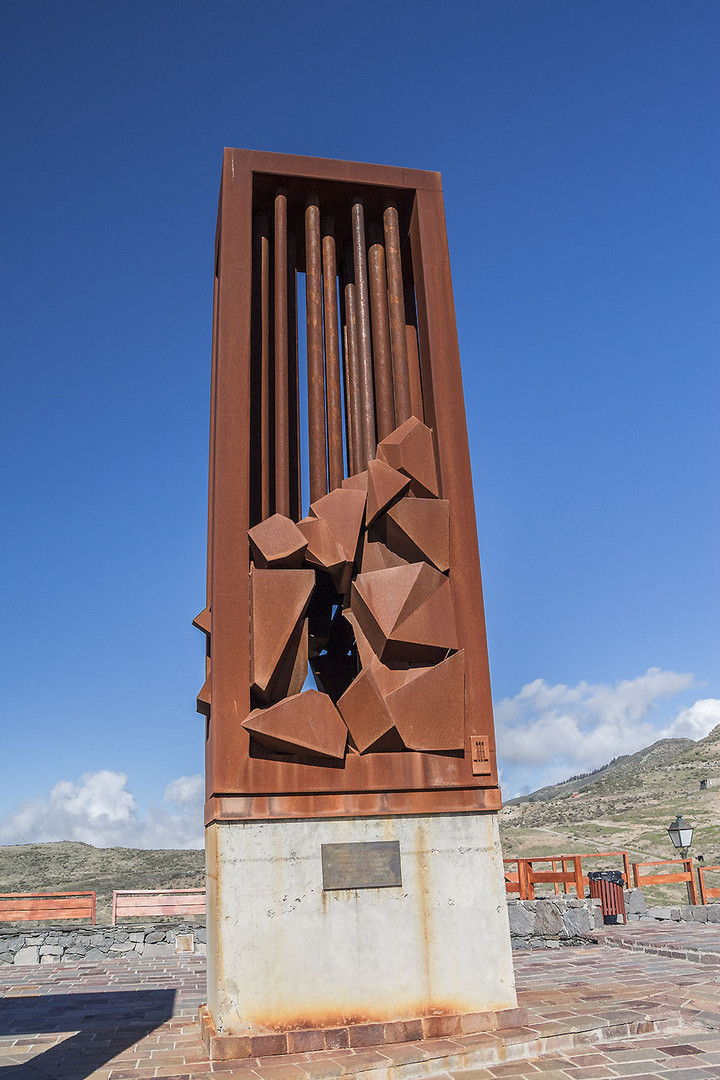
column 607, row 886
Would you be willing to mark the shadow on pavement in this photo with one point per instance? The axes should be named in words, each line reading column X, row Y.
column 101, row 1025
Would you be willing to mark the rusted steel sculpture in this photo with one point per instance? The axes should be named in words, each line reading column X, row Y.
column 376, row 589
column 352, row 842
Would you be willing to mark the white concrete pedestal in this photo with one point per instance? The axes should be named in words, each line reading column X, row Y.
column 284, row 955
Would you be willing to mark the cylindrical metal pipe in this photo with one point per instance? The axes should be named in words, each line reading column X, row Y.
column 396, row 305
column 293, row 380
column 265, row 389
column 352, row 412
column 282, row 447
column 315, row 376
column 349, row 450
column 333, row 386
column 382, row 363
column 366, row 404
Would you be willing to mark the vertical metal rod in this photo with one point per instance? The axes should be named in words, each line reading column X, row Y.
column 315, row 376
column 293, row 381
column 366, row 404
column 282, row 447
column 265, row 396
column 352, row 418
column 345, row 362
column 333, row 386
column 346, row 391
column 396, row 305
column 382, row 362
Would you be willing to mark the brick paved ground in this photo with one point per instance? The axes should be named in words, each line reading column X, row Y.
column 592, row 1013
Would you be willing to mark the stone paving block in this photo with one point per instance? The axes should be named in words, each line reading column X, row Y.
column 322, row 1069
column 544, row 1065
column 593, row 1072
column 280, row 1072
column 510, row 1069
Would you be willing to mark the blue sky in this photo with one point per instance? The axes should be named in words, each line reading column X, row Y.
column 579, row 152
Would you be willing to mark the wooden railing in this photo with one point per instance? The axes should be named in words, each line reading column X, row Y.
column 523, row 881
column 148, row 902
column 24, row 907
column 516, row 882
column 556, row 877
column 706, row 892
column 640, row 880
column 607, row 855
column 566, row 871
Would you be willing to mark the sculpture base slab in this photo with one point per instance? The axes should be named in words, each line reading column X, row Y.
column 358, row 1036
column 291, row 963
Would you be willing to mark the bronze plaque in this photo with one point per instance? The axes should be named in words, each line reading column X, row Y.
column 374, row 865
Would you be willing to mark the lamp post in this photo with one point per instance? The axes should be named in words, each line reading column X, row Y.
column 681, row 834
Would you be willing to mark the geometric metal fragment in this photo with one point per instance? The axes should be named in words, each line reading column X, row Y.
column 363, row 709
column 405, row 612
column 384, row 485
column 356, row 482
column 366, row 654
column 277, row 543
column 428, row 632
column 420, row 529
column 203, row 621
column 343, row 511
column 379, row 598
column 378, row 556
column 306, row 723
column 292, row 671
column 390, row 678
column 333, row 543
column 279, row 599
column 429, row 711
column 409, row 449
column 322, row 547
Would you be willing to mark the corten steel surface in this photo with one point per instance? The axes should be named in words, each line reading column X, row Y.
column 401, row 668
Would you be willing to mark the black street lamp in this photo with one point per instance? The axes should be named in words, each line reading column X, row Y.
column 681, row 834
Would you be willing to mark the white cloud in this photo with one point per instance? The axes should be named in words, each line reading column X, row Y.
column 696, row 721
column 186, row 791
column 99, row 810
column 548, row 733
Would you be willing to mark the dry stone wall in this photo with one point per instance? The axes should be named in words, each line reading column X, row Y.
column 534, row 924
column 552, row 923
column 20, row 944
column 637, row 910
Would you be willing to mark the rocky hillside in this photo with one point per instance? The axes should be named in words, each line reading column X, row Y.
column 626, row 804
column 617, row 772
column 62, row 867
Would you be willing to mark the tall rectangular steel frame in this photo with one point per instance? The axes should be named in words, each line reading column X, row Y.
column 239, row 786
